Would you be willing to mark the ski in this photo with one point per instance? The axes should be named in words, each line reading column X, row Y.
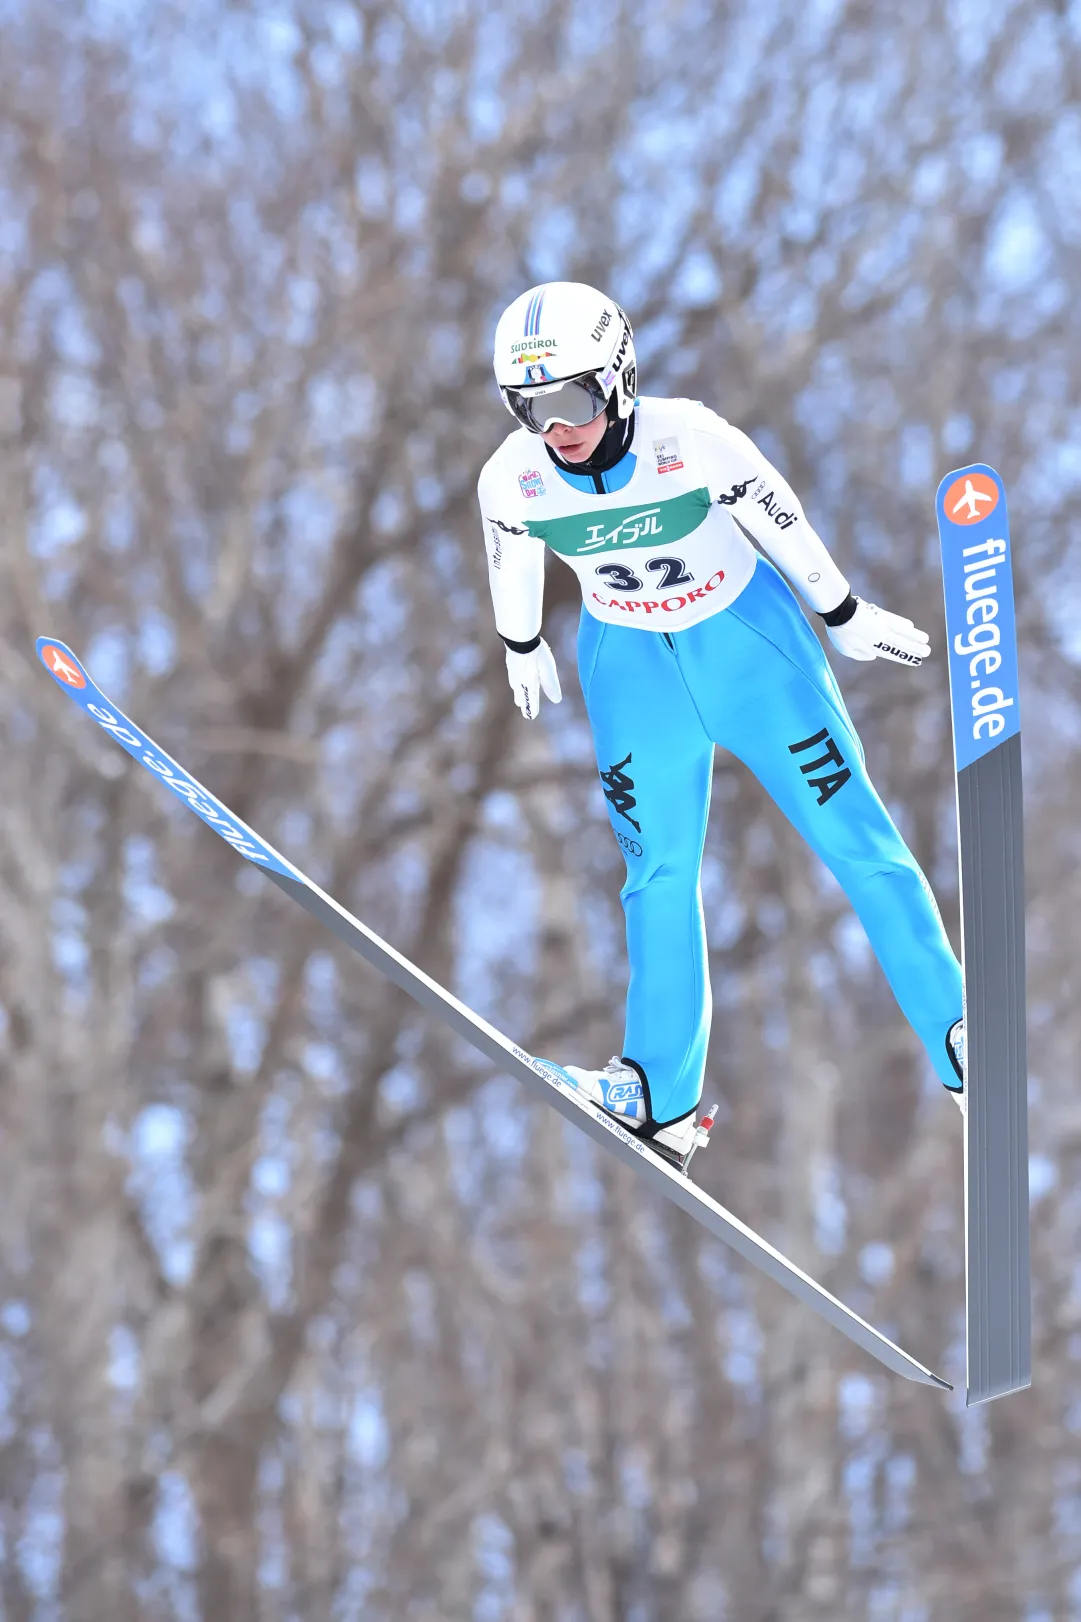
column 541, row 1078
column 975, row 537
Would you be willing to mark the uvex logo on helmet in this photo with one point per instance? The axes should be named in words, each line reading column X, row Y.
column 971, row 497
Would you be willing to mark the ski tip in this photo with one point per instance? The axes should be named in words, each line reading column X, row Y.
column 62, row 665
column 970, row 494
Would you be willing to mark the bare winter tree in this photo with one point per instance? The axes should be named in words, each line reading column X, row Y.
column 303, row 1312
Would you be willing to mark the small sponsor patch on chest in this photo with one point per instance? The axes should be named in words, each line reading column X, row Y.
column 531, row 483
column 667, row 453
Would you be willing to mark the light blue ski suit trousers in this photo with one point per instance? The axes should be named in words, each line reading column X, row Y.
column 753, row 679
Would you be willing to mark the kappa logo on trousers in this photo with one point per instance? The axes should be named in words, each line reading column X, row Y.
column 618, row 792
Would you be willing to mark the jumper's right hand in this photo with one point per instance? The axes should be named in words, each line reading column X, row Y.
column 528, row 674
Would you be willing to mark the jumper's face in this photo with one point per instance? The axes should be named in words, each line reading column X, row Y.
column 576, row 444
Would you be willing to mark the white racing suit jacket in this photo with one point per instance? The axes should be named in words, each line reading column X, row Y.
column 662, row 551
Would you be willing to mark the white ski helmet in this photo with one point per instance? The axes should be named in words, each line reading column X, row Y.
column 563, row 353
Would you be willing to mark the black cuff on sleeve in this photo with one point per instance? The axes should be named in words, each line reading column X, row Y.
column 843, row 612
column 522, row 647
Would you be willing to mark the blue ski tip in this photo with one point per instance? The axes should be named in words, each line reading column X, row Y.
column 62, row 665
column 69, row 673
column 981, row 634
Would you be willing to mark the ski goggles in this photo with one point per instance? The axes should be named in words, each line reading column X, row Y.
column 574, row 402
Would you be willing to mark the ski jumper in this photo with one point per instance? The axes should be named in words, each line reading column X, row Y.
column 690, row 639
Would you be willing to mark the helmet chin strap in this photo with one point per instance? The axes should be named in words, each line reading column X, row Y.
column 613, row 447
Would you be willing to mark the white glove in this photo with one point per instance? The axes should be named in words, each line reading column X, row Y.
column 528, row 673
column 874, row 633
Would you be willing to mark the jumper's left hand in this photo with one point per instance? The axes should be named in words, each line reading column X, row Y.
column 531, row 674
column 875, row 633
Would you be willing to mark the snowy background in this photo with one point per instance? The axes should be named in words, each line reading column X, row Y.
column 304, row 1313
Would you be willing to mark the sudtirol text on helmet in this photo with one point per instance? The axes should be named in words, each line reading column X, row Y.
column 564, row 333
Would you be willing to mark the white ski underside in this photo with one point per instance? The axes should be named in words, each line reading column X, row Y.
column 543, row 1080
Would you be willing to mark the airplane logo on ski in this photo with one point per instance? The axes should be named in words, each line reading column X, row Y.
column 61, row 666
column 964, row 496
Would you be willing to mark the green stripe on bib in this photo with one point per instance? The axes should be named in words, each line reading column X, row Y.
column 620, row 528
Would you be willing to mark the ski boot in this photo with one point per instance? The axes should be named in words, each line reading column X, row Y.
column 619, row 1091
column 955, row 1047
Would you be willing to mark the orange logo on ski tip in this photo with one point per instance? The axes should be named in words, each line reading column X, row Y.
column 61, row 666
column 971, row 498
